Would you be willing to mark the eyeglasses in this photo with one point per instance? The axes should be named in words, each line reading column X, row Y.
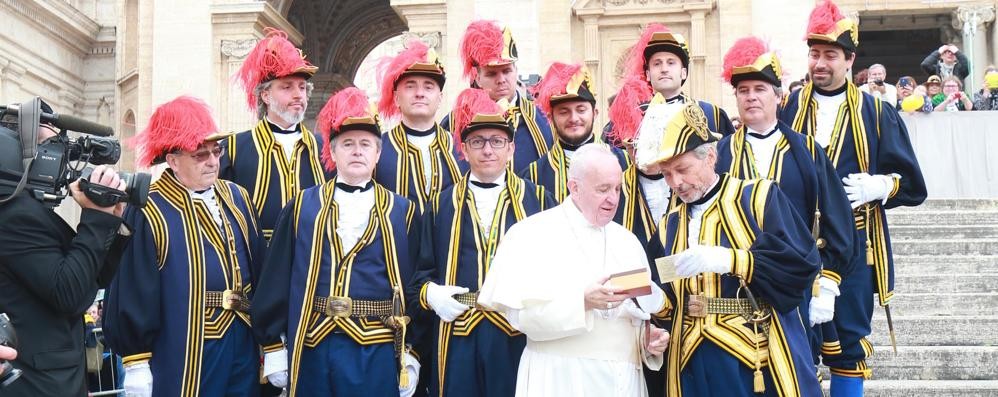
column 479, row 143
column 202, row 155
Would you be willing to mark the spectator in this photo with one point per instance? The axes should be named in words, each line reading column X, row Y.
column 947, row 61
column 876, row 85
column 917, row 101
column 987, row 97
column 736, row 122
column 934, row 89
column 955, row 99
column 860, row 77
column 905, row 87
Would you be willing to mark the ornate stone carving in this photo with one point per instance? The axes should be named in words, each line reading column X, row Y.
column 432, row 39
column 970, row 17
column 237, row 48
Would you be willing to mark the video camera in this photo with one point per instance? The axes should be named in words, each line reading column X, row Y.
column 45, row 170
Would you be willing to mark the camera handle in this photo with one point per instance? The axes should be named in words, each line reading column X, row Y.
column 28, row 117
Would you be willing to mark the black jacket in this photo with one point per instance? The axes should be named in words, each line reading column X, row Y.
column 960, row 69
column 49, row 276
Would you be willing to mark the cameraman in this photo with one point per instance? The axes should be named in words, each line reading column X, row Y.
column 49, row 276
column 876, row 85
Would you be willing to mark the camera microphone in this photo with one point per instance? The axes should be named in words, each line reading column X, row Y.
column 66, row 122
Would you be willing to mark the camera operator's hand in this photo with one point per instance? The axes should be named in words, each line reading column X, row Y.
column 102, row 175
column 7, row 353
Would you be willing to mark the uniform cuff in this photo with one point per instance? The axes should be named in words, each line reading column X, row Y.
column 743, row 264
column 136, row 359
column 422, row 297
column 831, row 276
column 273, row 348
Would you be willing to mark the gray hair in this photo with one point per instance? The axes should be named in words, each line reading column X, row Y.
column 332, row 142
column 877, row 65
column 261, row 107
column 701, row 151
column 583, row 160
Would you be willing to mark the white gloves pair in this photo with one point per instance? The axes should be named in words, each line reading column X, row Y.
column 703, row 259
column 822, row 307
column 441, row 300
column 863, row 188
column 275, row 368
column 412, row 367
column 138, row 380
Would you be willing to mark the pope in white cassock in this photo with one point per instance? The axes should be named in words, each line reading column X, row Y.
column 585, row 337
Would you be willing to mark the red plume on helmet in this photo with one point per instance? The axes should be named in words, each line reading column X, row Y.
column 554, row 87
column 482, row 44
column 183, row 123
column 391, row 70
column 349, row 109
column 823, row 18
column 272, row 57
column 625, row 111
column 475, row 103
column 745, row 51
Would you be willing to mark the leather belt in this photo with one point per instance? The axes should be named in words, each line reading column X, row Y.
column 227, row 300
column 701, row 306
column 344, row 306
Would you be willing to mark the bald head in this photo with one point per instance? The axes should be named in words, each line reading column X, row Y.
column 594, row 179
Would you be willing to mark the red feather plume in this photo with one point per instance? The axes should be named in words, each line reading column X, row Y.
column 744, row 52
column 274, row 56
column 636, row 59
column 625, row 112
column 470, row 102
column 390, row 69
column 482, row 43
column 348, row 102
column 182, row 123
column 823, row 18
column 554, row 83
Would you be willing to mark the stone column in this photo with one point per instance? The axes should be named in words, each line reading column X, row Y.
column 971, row 19
column 698, row 53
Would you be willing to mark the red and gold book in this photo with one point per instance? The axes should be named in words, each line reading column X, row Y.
column 635, row 282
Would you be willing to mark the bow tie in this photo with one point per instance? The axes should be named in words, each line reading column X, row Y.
column 484, row 185
column 766, row 135
column 354, row 189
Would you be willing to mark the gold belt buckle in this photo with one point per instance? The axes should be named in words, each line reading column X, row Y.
column 231, row 299
column 697, row 306
column 339, row 306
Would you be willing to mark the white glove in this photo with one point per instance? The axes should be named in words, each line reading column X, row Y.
column 275, row 368
column 634, row 313
column 412, row 367
column 441, row 300
column 863, row 188
column 138, row 380
column 822, row 307
column 703, row 259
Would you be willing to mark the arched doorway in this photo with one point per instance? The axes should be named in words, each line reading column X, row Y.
column 338, row 35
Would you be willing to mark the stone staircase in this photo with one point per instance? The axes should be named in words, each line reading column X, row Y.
column 946, row 304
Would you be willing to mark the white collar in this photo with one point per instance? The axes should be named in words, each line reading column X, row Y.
column 293, row 127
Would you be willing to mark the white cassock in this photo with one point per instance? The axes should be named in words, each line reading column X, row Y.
column 538, row 279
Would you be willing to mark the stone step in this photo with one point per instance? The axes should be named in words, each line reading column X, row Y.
column 936, row 264
column 920, row 330
column 933, row 388
column 935, row 363
column 945, row 304
column 951, row 205
column 943, row 232
column 982, row 246
column 985, row 217
column 946, row 282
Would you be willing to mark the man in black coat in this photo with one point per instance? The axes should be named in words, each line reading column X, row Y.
column 49, row 276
